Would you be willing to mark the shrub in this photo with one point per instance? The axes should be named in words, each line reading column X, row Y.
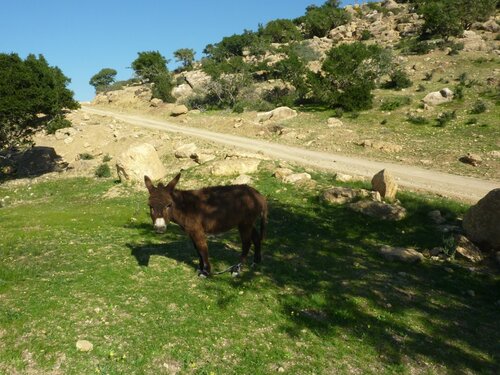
column 445, row 117
column 471, row 121
column 428, row 76
column 458, row 92
column 395, row 103
column 86, row 156
column 58, row 122
column 106, row 158
column 280, row 31
column 366, row 35
column 478, row 107
column 398, row 80
column 103, row 171
column 420, row 88
column 318, row 21
column 414, row 46
column 162, row 87
column 239, row 107
column 104, row 78
column 417, row 120
column 338, row 112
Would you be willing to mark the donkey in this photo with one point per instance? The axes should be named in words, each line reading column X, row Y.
column 210, row 210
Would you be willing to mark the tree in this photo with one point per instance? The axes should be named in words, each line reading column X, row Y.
column 318, row 21
column 350, row 73
column 149, row 64
column 280, row 31
column 32, row 94
column 186, row 56
column 104, row 78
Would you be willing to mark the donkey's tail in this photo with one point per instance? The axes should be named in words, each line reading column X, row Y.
column 263, row 219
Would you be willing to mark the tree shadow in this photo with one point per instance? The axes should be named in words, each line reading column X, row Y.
column 326, row 255
column 33, row 162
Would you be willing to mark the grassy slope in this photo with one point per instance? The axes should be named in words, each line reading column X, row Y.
column 78, row 266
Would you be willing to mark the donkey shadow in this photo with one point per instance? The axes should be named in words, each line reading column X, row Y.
column 182, row 250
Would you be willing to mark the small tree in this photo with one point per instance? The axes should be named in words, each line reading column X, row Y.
column 185, row 56
column 103, row 79
column 280, row 31
column 149, row 65
column 318, row 21
column 29, row 89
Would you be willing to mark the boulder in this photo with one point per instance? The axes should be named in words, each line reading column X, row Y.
column 466, row 249
column 230, row 167
column 281, row 173
column 379, row 210
column 138, row 161
column 186, row 151
column 334, row 122
column 385, row 184
column 179, row 110
column 277, row 114
column 438, row 97
column 341, row 195
column 182, row 90
column 406, row 255
column 296, row 177
column 473, row 42
column 242, row 179
column 482, row 221
column 155, row 102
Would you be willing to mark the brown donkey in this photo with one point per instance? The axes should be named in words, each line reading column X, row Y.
column 210, row 210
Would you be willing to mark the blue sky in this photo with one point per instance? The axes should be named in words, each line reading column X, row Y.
column 82, row 37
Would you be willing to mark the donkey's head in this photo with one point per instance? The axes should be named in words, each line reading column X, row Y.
column 161, row 202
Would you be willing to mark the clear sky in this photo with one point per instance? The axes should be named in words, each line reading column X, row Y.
column 82, row 37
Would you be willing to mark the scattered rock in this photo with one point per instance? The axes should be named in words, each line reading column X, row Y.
column 296, row 177
column 379, row 210
column 84, row 346
column 155, row 102
column 406, row 255
column 281, row 173
column 436, row 251
column 343, row 177
column 482, row 221
column 138, row 161
column 385, row 184
column 436, row 217
column 341, row 195
column 438, row 97
column 242, row 179
column 230, row 167
column 473, row 42
column 185, row 151
column 472, row 159
column 278, row 114
column 466, row 249
column 179, row 110
column 61, row 134
column 334, row 122
column 494, row 154
column 383, row 146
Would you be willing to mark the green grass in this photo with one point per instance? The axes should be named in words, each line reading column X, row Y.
column 76, row 265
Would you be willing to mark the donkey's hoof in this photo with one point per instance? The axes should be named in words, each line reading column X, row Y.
column 203, row 274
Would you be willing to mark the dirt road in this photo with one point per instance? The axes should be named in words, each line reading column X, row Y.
column 410, row 177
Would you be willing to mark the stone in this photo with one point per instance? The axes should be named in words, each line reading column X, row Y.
column 155, row 102
column 436, row 251
column 185, row 151
column 138, row 161
column 178, row 110
column 494, row 154
column 277, row 114
column 473, row 42
column 281, row 173
column 84, row 346
column 230, row 167
column 466, row 249
column 436, row 217
column 343, row 177
column 68, row 140
column 342, row 195
column 242, row 179
column 438, row 97
column 482, row 221
column 379, row 210
column 182, row 90
column 385, row 184
column 64, row 133
column 296, row 177
column 472, row 159
column 334, row 122
column 406, row 255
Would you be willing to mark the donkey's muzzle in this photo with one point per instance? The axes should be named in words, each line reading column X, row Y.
column 160, row 226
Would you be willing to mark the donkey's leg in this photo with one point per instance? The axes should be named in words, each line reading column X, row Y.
column 200, row 266
column 200, row 243
column 246, row 240
column 257, row 256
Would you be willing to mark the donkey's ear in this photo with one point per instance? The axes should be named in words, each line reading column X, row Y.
column 171, row 184
column 148, row 183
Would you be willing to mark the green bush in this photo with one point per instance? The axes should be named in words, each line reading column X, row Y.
column 398, row 80
column 445, row 117
column 280, row 31
column 318, row 21
column 162, row 87
column 58, row 122
column 103, row 171
column 106, row 158
column 239, row 107
column 414, row 46
column 417, row 120
column 104, row 78
column 478, row 107
column 395, row 103
column 86, row 156
column 366, row 35
column 149, row 64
